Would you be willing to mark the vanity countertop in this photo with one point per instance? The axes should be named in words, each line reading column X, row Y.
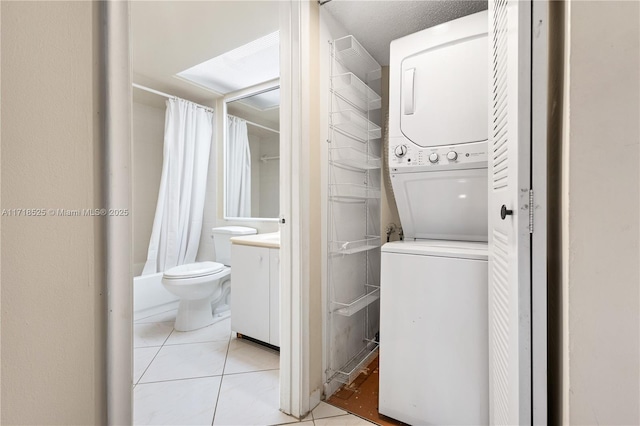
column 271, row 240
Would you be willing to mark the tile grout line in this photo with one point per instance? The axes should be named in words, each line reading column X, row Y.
column 153, row 346
column 192, row 343
column 149, row 316
column 181, row 379
column 155, row 356
column 148, row 365
column 252, row 371
column 165, row 340
column 215, row 409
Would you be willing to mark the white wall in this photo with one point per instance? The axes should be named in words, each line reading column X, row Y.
column 254, row 149
column 53, row 307
column 388, row 209
column 148, row 142
column 269, row 186
column 601, row 214
column 265, row 175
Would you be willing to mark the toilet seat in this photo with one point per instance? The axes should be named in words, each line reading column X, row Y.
column 193, row 270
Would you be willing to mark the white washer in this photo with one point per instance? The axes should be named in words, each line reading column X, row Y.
column 433, row 333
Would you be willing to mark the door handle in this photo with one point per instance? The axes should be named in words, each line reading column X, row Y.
column 408, row 93
column 504, row 212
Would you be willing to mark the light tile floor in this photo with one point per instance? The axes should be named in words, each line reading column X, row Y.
column 208, row 377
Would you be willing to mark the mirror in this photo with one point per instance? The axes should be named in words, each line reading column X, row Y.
column 252, row 156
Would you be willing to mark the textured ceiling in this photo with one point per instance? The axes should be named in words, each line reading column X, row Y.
column 170, row 36
column 376, row 23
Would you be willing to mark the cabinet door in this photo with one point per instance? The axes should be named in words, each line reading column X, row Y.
column 274, row 296
column 250, row 291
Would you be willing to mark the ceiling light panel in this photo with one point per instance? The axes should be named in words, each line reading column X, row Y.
column 244, row 66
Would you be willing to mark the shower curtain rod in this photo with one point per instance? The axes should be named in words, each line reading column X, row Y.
column 257, row 125
column 264, row 158
column 166, row 95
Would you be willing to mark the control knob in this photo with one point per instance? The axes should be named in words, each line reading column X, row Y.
column 452, row 155
column 434, row 158
column 400, row 151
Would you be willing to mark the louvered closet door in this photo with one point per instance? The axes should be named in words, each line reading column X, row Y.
column 509, row 240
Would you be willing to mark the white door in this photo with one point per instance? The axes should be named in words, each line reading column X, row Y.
column 510, row 127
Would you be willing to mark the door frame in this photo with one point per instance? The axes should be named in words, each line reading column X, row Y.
column 117, row 168
column 295, row 27
column 294, row 294
column 539, row 126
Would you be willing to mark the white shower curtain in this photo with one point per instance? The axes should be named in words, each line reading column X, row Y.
column 178, row 221
column 238, row 168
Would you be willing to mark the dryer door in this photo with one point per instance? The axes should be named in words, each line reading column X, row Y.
column 447, row 205
column 444, row 94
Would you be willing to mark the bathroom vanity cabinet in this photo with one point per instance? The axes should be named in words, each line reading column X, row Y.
column 255, row 288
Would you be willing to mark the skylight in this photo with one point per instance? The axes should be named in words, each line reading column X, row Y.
column 244, row 66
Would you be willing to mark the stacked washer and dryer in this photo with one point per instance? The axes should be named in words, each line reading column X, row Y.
column 434, row 319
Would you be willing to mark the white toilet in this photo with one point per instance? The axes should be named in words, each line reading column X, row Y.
column 204, row 287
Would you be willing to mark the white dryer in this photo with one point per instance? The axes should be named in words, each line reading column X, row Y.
column 438, row 129
column 433, row 296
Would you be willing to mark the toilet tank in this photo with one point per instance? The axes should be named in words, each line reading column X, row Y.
column 221, row 240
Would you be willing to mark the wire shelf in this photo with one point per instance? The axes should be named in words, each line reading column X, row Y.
column 348, row 309
column 350, row 371
column 355, row 91
column 354, row 158
column 350, row 53
column 354, row 124
column 352, row 191
column 351, row 247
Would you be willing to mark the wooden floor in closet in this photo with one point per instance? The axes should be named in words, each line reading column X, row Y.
column 361, row 397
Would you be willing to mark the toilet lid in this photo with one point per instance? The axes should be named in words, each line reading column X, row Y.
column 193, row 270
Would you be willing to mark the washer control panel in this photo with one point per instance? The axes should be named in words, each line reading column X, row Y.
column 400, row 150
column 404, row 155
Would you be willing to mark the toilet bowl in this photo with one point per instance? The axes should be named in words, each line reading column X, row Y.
column 196, row 284
column 204, row 287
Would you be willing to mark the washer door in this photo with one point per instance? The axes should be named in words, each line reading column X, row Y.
column 447, row 205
